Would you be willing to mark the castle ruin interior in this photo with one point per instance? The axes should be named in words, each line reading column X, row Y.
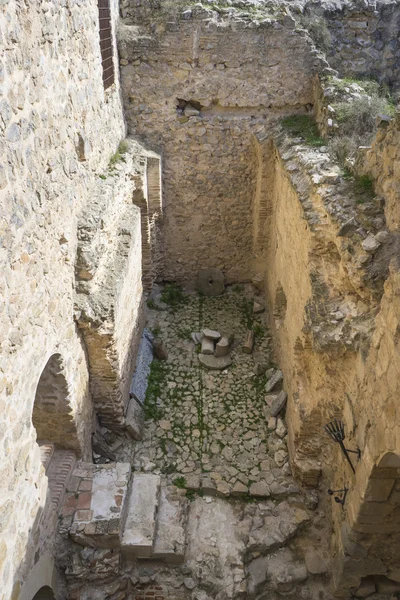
column 200, row 299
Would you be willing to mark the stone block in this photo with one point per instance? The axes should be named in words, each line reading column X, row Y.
column 134, row 419
column 274, row 381
column 222, row 348
column 279, row 404
column 207, row 346
column 138, row 534
column 101, row 506
column 170, row 537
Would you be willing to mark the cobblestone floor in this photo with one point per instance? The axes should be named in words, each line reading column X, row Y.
column 209, row 428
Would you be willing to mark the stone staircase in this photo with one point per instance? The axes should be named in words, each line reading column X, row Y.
column 109, row 507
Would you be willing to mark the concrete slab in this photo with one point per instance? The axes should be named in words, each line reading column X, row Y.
column 140, row 524
column 170, row 539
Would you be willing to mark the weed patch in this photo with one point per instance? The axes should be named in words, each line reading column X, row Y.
column 173, row 295
column 158, row 372
column 305, row 127
column 180, row 482
column 118, row 156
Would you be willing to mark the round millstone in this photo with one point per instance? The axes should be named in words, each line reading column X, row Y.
column 213, row 363
column 211, row 282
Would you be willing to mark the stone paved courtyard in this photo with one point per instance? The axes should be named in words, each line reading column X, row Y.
column 209, row 429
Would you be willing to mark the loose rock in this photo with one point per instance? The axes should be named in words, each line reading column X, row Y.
column 275, row 380
column 278, row 404
column 210, row 333
column 207, row 346
column 222, row 347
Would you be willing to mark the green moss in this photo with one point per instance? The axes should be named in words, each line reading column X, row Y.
column 305, row 127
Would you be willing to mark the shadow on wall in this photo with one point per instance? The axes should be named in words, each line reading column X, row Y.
column 51, row 415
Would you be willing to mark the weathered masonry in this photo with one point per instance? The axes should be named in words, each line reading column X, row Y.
column 144, row 142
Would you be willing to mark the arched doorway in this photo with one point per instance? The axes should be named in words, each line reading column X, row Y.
column 45, row 593
column 56, row 432
column 371, row 539
column 51, row 416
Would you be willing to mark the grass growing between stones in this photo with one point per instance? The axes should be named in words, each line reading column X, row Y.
column 305, row 127
column 363, row 186
column 158, row 372
column 173, row 295
column 207, row 423
column 118, row 156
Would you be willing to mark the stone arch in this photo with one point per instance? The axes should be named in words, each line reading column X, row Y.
column 45, row 593
column 42, row 581
column 51, row 415
column 371, row 539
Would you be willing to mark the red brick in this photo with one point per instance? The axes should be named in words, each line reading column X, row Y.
column 118, row 500
column 84, row 500
column 71, row 501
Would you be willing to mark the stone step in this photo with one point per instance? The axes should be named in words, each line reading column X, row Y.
column 170, row 541
column 140, row 524
column 96, row 503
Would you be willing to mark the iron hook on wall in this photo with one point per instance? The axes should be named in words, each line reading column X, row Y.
column 335, row 429
column 337, row 499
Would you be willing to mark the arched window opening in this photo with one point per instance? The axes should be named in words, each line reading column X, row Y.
column 51, row 410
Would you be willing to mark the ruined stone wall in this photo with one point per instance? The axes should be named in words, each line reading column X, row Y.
column 60, row 128
column 198, row 88
column 318, row 302
column 367, row 537
column 336, row 330
column 364, row 40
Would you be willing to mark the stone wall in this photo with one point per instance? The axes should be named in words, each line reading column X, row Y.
column 198, row 87
column 320, row 299
column 334, row 318
column 59, row 129
column 114, row 258
column 364, row 38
